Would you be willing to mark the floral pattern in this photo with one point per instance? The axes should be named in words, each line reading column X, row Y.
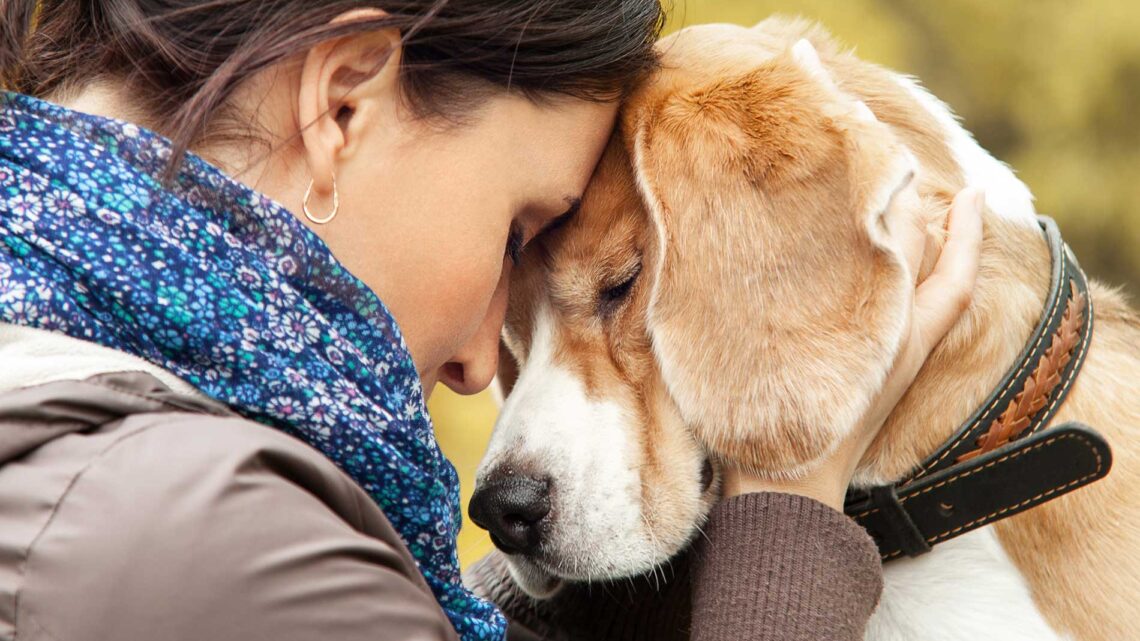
column 229, row 291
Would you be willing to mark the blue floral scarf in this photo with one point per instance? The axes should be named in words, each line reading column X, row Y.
column 228, row 290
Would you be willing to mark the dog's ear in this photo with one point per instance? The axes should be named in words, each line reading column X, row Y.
column 779, row 297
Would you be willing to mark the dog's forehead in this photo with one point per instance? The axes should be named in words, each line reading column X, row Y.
column 562, row 272
column 716, row 49
column 609, row 220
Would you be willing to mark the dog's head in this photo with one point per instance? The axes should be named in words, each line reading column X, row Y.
column 733, row 288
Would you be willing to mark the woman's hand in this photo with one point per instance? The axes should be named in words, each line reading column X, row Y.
column 938, row 302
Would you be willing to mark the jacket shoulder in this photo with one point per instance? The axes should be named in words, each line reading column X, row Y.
column 198, row 526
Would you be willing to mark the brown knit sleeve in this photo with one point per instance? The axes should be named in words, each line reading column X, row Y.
column 781, row 567
column 772, row 567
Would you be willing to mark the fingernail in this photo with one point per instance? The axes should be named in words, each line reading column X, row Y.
column 979, row 200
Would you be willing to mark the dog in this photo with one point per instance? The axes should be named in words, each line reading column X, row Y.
column 732, row 290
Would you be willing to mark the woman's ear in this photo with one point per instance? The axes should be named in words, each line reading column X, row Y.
column 347, row 85
column 775, row 311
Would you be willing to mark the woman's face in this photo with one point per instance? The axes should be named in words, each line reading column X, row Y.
column 429, row 218
column 429, row 213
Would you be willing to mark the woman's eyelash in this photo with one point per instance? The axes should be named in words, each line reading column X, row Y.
column 515, row 244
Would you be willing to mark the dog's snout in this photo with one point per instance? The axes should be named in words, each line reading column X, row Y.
column 512, row 509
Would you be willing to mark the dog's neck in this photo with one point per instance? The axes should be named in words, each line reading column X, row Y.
column 1013, row 282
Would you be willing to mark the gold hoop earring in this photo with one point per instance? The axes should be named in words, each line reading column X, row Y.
column 335, row 207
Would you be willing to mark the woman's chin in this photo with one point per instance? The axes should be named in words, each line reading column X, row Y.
column 535, row 581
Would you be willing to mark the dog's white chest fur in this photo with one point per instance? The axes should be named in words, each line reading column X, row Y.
column 966, row 589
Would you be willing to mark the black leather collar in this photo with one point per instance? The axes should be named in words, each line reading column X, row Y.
column 1001, row 461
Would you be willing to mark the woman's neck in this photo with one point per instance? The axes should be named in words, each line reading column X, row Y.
column 105, row 98
column 251, row 159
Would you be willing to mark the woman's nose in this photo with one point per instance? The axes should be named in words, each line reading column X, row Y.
column 473, row 368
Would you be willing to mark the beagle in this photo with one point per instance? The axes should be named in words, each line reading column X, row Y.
column 732, row 289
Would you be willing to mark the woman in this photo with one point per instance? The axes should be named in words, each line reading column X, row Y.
column 164, row 311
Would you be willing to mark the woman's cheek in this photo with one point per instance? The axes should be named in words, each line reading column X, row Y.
column 465, row 304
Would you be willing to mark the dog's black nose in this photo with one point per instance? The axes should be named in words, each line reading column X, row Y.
column 512, row 509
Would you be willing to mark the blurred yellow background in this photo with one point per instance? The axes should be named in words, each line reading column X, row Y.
column 1050, row 86
column 463, row 425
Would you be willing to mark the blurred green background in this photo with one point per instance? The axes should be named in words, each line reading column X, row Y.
column 1051, row 87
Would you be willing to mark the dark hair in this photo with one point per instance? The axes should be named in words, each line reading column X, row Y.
column 184, row 58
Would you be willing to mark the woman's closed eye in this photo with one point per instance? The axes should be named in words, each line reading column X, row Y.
column 516, row 237
column 515, row 243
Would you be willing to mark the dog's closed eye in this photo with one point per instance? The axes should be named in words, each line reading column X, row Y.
column 611, row 297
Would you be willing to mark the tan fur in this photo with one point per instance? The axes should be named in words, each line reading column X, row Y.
column 764, row 274
column 1081, row 552
column 783, row 160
